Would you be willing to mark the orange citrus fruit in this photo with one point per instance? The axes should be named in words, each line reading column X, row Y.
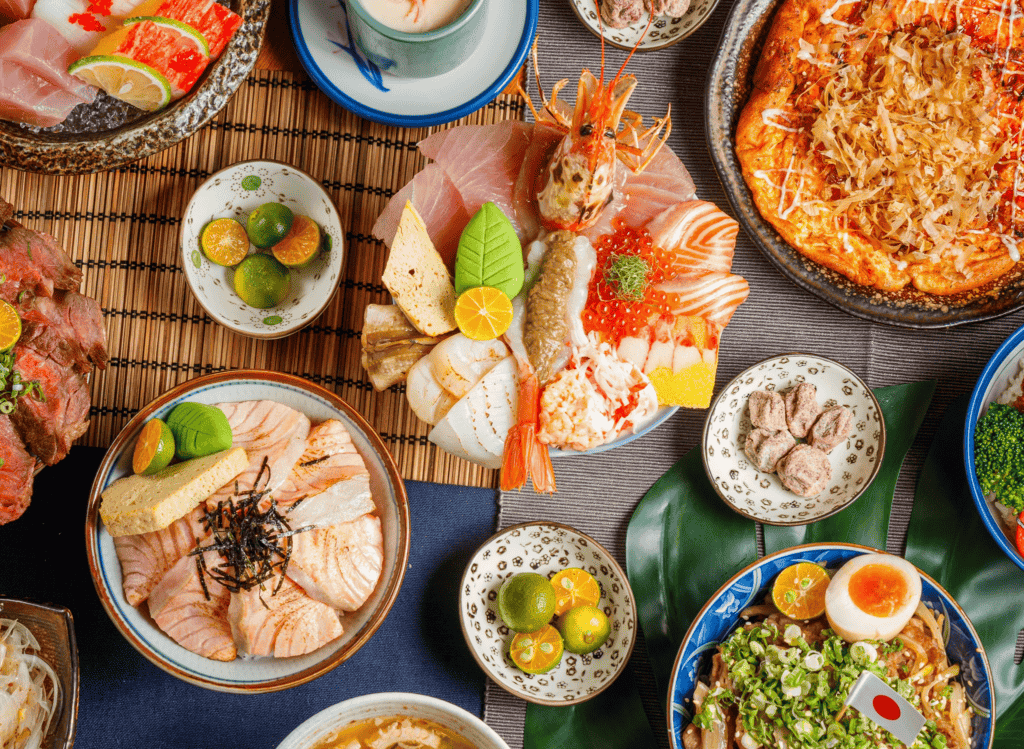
column 574, row 587
column 537, row 652
column 224, row 242
column 300, row 245
column 483, row 313
column 154, row 449
column 799, row 591
column 10, row 326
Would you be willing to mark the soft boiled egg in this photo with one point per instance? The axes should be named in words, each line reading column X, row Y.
column 872, row 597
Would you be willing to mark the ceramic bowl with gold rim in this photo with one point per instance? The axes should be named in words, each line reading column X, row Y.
column 761, row 496
column 751, row 585
column 545, row 548
column 235, row 192
column 252, row 674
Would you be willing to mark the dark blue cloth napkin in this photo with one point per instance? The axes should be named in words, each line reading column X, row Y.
column 128, row 702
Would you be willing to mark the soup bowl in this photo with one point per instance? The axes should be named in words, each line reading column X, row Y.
column 418, row 54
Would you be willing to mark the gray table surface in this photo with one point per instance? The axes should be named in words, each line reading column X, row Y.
column 597, row 494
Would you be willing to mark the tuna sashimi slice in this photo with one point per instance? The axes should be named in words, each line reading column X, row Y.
column 17, row 468
column 28, row 99
column 437, row 200
column 49, row 426
column 543, row 140
column 146, row 557
column 483, row 161
column 67, row 327
column 340, row 565
column 39, row 48
column 268, row 431
column 713, row 296
column 342, row 502
column 179, row 606
column 643, row 196
column 12, row 10
column 33, row 261
column 702, row 235
column 282, row 624
column 329, row 457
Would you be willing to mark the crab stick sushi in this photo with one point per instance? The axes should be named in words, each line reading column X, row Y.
column 35, row 87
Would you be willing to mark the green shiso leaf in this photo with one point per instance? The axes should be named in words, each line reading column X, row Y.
column 489, row 253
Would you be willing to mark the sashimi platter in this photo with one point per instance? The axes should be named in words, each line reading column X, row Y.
column 620, row 310
column 318, row 365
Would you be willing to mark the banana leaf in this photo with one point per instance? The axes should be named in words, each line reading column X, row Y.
column 948, row 540
column 866, row 521
column 614, row 719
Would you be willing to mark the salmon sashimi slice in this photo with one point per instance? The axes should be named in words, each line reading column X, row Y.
column 713, row 296
column 701, row 234
column 543, row 141
column 343, row 502
column 282, row 624
column 340, row 565
column 146, row 557
column 437, row 200
column 17, row 469
column 179, row 606
column 643, row 196
column 329, row 457
column 268, row 431
column 483, row 161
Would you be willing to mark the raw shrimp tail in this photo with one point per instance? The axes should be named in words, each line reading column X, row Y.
column 525, row 457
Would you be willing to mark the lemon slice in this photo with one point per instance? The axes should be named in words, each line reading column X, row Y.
column 130, row 81
column 186, row 31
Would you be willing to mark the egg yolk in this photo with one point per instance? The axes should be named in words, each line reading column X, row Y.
column 878, row 589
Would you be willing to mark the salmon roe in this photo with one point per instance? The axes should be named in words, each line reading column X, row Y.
column 609, row 314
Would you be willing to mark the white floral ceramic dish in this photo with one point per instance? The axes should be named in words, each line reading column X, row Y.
column 664, row 30
column 545, row 548
column 761, row 496
column 235, row 192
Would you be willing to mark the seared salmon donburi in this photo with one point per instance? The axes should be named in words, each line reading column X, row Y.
column 881, row 140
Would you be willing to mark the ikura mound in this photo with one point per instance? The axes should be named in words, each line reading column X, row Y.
column 881, row 141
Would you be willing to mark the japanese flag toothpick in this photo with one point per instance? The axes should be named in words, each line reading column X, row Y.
column 880, row 702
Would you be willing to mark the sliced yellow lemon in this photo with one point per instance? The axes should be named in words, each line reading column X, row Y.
column 130, row 81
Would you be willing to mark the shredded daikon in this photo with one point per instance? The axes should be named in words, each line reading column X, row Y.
column 29, row 689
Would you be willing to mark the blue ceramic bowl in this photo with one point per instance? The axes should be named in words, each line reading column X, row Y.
column 997, row 375
column 417, row 55
column 720, row 616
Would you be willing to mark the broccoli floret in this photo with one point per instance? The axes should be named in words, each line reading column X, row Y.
column 999, row 454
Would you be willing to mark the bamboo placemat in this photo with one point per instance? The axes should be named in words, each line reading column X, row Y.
column 122, row 228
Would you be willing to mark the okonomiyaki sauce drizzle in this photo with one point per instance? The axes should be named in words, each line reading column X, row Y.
column 987, row 206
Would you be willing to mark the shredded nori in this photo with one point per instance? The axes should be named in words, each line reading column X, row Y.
column 255, row 544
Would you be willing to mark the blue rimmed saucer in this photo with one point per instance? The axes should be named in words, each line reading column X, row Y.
column 325, row 45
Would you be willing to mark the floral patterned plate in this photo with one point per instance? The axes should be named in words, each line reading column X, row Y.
column 761, row 496
column 664, row 31
column 235, row 192
column 545, row 548
column 720, row 616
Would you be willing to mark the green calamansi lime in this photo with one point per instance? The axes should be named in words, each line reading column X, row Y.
column 262, row 282
column 537, row 652
column 224, row 242
column 269, row 224
column 526, row 602
column 301, row 245
column 584, row 629
column 154, row 449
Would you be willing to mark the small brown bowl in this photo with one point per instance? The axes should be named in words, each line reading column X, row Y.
column 54, row 628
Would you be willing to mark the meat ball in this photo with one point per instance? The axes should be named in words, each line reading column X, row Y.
column 805, row 471
column 619, row 14
column 802, row 408
column 766, row 448
column 831, row 429
column 767, row 410
column 674, row 8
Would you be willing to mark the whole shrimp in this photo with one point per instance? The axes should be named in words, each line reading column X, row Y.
column 572, row 190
